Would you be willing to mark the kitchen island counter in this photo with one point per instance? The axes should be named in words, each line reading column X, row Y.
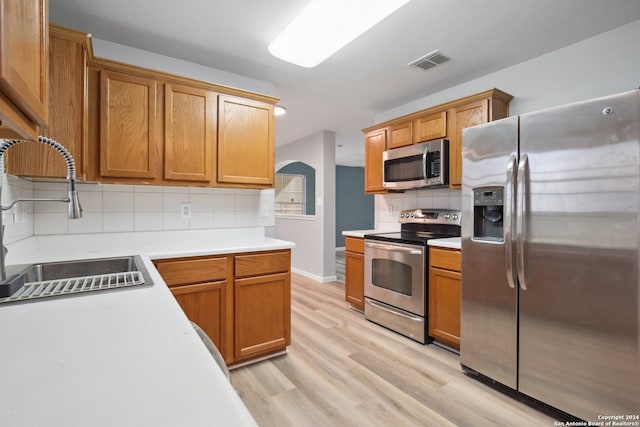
column 127, row 357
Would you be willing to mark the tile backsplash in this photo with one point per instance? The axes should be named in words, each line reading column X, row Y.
column 129, row 208
column 388, row 206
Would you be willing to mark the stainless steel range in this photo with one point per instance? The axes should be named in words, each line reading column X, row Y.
column 395, row 272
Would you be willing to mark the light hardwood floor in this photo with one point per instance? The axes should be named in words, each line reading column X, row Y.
column 342, row 370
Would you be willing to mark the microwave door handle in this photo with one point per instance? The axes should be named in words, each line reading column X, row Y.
column 509, row 207
column 425, row 164
column 395, row 313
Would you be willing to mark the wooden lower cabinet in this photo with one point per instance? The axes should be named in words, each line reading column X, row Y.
column 202, row 287
column 444, row 296
column 262, row 315
column 354, row 272
column 241, row 301
column 206, row 304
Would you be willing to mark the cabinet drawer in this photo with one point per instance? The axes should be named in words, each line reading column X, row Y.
column 354, row 244
column 263, row 263
column 182, row 272
column 445, row 259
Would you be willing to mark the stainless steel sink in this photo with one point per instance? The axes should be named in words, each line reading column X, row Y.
column 73, row 277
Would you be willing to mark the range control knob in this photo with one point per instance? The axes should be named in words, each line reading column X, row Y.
column 447, row 216
column 402, row 215
column 455, row 216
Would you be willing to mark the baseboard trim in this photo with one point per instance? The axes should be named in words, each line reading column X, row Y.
column 314, row 276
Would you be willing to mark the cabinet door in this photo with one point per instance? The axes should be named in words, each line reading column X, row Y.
column 206, row 304
column 430, row 127
column 24, row 54
column 375, row 143
column 262, row 314
column 468, row 115
column 189, row 133
column 444, row 306
column 354, row 279
column 67, row 111
column 400, row 135
column 128, row 139
column 245, row 142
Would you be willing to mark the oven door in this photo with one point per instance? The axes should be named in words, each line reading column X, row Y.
column 394, row 274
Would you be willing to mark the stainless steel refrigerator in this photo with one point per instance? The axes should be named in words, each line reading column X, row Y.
column 550, row 235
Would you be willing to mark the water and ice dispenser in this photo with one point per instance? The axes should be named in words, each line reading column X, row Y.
column 488, row 207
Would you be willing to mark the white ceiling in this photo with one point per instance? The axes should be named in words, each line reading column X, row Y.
column 368, row 76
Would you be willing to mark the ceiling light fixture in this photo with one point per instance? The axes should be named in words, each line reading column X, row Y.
column 325, row 26
column 279, row 110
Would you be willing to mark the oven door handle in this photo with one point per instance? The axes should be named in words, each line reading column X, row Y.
column 394, row 248
column 388, row 310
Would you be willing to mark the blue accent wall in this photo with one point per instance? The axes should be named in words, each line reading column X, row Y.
column 300, row 168
column 355, row 210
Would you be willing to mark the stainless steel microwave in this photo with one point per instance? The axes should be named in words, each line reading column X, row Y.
column 416, row 166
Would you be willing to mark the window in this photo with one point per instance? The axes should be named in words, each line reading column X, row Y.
column 290, row 194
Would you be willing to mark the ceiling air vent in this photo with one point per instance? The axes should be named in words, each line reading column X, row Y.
column 430, row 60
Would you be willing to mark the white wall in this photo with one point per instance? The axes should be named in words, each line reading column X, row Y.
column 314, row 254
column 131, row 208
column 602, row 65
column 154, row 61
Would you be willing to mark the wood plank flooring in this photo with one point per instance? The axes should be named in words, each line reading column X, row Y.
column 342, row 370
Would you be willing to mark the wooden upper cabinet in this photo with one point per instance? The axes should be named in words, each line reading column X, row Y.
column 67, row 111
column 441, row 121
column 375, row 143
column 189, row 133
column 128, row 139
column 399, row 135
column 24, row 70
column 245, row 142
column 431, row 126
column 468, row 115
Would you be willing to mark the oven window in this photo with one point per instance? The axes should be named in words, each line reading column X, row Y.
column 392, row 275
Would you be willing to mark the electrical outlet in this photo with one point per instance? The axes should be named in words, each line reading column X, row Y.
column 390, row 210
column 22, row 215
column 264, row 210
column 185, row 210
column 14, row 215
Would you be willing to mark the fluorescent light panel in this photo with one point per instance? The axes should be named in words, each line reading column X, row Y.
column 326, row 26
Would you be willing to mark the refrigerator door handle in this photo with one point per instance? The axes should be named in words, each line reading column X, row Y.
column 509, row 208
column 520, row 210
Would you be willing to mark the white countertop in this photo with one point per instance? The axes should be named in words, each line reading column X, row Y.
column 448, row 242
column 361, row 233
column 128, row 357
column 358, row 233
column 154, row 244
